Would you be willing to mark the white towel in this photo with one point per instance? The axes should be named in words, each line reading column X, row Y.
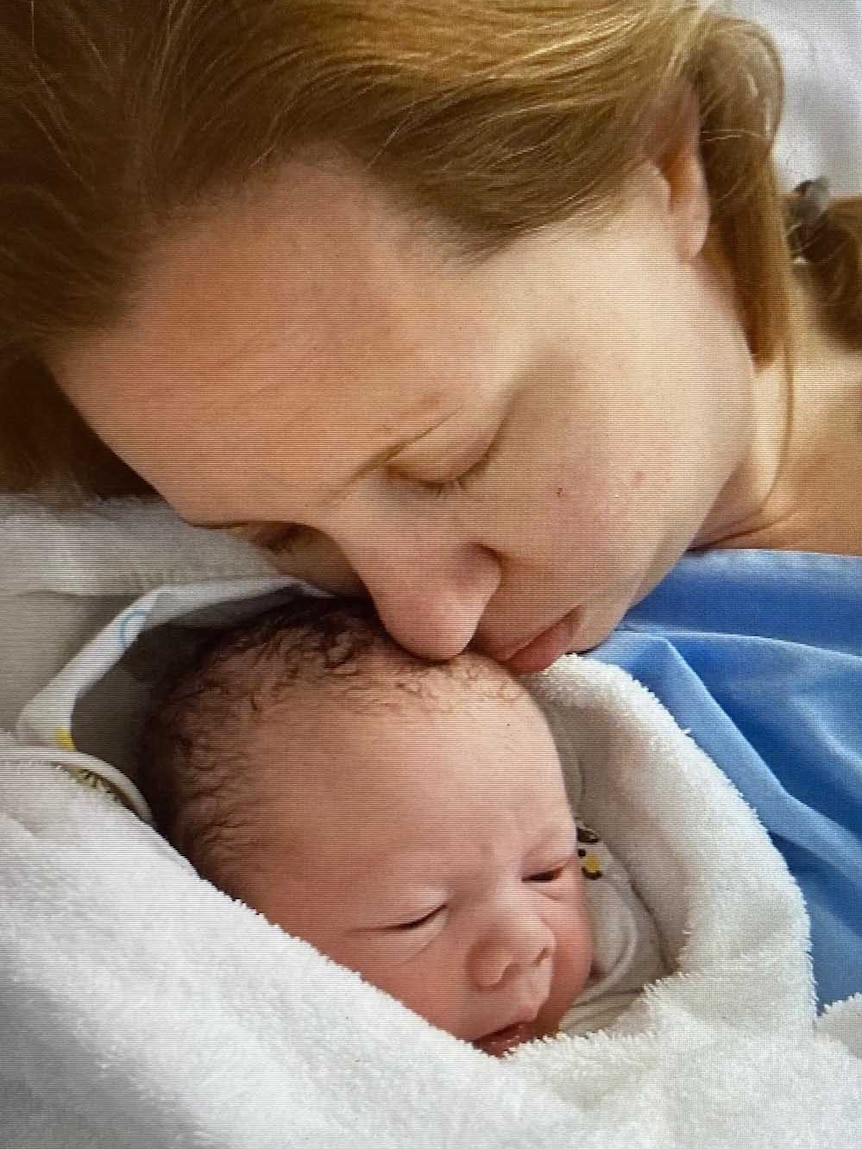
column 141, row 1007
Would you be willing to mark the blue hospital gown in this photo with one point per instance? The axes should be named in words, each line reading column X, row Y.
column 759, row 655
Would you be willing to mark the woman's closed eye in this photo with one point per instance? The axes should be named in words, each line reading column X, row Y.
column 440, row 487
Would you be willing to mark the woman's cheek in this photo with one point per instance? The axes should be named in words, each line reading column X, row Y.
column 319, row 561
column 614, row 512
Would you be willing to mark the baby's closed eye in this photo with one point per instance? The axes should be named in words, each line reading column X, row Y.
column 548, row 875
column 553, row 873
column 415, row 923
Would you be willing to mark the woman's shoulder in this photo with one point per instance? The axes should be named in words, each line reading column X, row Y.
column 815, row 501
column 758, row 656
column 803, row 597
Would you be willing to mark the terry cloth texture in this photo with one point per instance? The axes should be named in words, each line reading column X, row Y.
column 140, row 1006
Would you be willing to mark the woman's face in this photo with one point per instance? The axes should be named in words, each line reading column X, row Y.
column 511, row 450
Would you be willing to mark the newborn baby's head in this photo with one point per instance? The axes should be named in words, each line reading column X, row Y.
column 409, row 819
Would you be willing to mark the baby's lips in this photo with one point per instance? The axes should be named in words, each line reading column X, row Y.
column 496, row 1044
column 525, row 1028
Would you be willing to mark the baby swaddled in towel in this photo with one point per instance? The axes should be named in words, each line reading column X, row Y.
column 143, row 1006
column 409, row 819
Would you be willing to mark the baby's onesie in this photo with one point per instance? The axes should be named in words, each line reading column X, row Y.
column 627, row 953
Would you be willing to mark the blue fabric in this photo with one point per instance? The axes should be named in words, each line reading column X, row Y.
column 759, row 655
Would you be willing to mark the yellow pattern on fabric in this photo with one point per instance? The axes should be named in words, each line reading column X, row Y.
column 94, row 782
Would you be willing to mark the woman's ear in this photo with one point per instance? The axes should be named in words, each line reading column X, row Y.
column 678, row 162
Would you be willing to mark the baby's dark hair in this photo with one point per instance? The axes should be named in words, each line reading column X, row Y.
column 197, row 768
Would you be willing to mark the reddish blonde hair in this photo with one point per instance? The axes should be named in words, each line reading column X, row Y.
column 121, row 119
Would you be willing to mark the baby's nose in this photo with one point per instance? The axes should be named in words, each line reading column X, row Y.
column 515, row 946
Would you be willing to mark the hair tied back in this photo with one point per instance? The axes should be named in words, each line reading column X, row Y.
column 825, row 239
column 808, row 209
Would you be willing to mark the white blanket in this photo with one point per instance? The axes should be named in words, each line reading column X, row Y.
column 140, row 1007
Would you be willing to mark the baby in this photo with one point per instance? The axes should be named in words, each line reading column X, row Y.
column 409, row 819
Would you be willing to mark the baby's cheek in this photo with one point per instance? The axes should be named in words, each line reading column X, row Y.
column 575, row 939
column 584, row 923
column 579, row 954
column 422, row 984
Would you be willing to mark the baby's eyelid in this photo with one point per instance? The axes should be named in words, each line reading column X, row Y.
column 414, row 923
column 552, row 873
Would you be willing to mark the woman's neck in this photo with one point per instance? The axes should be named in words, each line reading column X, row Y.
column 802, row 477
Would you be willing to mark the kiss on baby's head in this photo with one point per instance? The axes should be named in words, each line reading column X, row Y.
column 407, row 818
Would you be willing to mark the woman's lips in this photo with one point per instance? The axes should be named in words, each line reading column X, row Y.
column 546, row 648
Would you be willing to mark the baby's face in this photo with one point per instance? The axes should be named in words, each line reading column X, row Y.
column 434, row 854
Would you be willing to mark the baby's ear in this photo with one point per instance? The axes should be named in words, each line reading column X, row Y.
column 673, row 152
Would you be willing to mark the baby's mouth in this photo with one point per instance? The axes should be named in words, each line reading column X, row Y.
column 502, row 1040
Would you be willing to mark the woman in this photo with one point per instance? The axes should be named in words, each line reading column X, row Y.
column 489, row 308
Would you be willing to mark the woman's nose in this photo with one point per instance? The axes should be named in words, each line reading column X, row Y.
column 430, row 599
column 515, row 943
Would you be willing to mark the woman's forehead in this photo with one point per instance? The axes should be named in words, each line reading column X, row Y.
column 319, row 246
column 282, row 319
column 315, row 279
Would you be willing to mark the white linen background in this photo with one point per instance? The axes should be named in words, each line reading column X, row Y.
column 821, row 45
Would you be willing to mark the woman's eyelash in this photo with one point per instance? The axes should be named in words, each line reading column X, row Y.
column 461, row 482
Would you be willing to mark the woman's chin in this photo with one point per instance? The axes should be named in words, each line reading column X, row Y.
column 598, row 622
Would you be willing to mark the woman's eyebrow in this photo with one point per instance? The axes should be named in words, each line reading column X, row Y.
column 331, row 498
column 208, row 525
column 380, row 459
